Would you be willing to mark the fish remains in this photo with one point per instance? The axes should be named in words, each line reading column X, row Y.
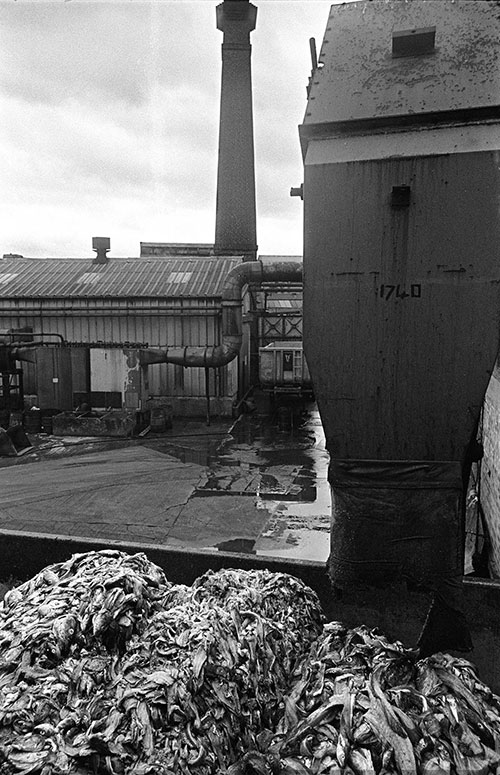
column 108, row 668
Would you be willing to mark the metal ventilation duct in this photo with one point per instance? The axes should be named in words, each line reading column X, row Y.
column 254, row 272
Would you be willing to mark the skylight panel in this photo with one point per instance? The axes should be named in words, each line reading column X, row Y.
column 88, row 278
column 180, row 277
column 6, row 277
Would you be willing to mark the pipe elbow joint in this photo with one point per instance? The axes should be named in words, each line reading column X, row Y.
column 239, row 276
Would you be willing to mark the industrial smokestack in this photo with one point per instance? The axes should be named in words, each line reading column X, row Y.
column 235, row 228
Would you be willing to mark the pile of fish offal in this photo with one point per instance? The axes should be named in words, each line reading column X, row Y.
column 107, row 667
column 361, row 705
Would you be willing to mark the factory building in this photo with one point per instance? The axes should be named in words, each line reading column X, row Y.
column 100, row 309
column 90, row 319
column 173, row 324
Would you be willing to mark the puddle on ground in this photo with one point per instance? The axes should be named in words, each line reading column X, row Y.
column 202, row 451
column 254, row 458
column 304, row 544
column 279, row 461
column 241, row 545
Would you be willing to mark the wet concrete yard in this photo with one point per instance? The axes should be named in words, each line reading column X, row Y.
column 281, row 462
column 256, row 486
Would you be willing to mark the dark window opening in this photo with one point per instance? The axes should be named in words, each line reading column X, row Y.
column 412, row 43
column 400, row 196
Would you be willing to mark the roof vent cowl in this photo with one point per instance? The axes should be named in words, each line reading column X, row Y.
column 101, row 245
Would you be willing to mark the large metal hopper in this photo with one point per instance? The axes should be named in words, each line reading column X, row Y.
column 401, row 141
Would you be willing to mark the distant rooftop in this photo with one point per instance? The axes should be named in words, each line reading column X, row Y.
column 199, row 249
column 189, row 276
column 279, row 259
column 176, row 249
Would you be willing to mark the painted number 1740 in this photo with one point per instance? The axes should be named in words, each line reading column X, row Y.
column 387, row 292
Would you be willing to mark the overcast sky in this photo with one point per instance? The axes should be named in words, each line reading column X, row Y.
column 109, row 122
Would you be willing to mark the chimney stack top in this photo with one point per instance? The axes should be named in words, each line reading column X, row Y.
column 236, row 18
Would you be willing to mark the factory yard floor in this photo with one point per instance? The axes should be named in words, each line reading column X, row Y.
column 255, row 486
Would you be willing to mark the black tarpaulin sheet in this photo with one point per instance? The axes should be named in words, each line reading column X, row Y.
column 446, row 626
column 394, row 520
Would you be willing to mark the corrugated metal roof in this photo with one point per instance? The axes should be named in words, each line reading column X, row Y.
column 119, row 277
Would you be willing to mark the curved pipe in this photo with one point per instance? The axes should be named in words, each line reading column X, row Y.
column 7, row 337
column 254, row 272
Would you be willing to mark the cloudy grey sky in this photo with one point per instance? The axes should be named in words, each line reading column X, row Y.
column 109, row 122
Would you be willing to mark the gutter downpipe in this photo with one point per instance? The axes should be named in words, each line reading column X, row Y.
column 213, row 356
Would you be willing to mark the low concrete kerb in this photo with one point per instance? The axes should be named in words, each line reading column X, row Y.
column 24, row 553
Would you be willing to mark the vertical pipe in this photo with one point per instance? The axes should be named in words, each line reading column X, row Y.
column 21, row 388
column 207, row 392
column 314, row 56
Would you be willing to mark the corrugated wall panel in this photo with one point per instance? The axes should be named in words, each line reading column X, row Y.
column 54, row 385
column 194, row 322
column 29, row 379
column 80, row 369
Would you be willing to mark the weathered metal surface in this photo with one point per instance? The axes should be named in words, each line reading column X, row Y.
column 176, row 249
column 54, row 382
column 71, row 364
column 359, row 78
column 91, row 322
column 283, row 365
column 280, row 325
column 131, row 278
column 232, row 318
column 402, row 307
column 80, row 369
column 431, row 141
column 109, row 370
column 401, row 274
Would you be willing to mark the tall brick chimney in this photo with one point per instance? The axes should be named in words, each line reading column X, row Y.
column 235, row 226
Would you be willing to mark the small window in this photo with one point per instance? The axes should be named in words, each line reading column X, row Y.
column 413, row 43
